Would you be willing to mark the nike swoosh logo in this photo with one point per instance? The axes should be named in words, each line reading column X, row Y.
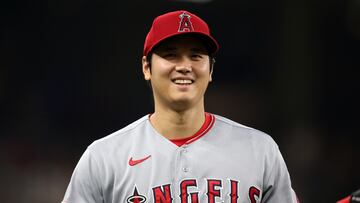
column 133, row 162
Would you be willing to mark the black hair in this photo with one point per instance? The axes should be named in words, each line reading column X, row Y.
column 201, row 38
column 211, row 60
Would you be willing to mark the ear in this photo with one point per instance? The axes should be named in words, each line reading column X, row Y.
column 146, row 68
column 211, row 71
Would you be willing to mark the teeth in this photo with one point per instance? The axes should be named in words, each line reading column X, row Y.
column 183, row 81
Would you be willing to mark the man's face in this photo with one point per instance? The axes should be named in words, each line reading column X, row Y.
column 179, row 73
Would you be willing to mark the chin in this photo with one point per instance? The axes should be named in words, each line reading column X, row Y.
column 182, row 104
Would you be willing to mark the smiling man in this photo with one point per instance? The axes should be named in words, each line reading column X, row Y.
column 180, row 152
column 179, row 71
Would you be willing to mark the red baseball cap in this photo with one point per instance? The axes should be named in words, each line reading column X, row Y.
column 178, row 23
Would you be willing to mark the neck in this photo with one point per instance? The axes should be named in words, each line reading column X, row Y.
column 178, row 124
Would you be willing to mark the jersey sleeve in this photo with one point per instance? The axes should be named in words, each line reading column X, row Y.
column 84, row 186
column 277, row 185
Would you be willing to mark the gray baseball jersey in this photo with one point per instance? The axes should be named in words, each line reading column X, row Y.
column 226, row 162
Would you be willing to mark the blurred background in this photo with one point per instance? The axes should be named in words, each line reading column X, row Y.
column 71, row 73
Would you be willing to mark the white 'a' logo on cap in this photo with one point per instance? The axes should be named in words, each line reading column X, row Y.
column 185, row 23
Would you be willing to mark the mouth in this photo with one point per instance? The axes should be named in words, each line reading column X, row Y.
column 183, row 81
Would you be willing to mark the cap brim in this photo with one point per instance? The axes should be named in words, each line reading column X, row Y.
column 209, row 42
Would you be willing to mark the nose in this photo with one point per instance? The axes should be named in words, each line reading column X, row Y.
column 184, row 66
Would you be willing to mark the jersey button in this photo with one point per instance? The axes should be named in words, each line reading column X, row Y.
column 186, row 169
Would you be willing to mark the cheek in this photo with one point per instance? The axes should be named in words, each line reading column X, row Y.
column 160, row 76
column 204, row 71
column 161, row 68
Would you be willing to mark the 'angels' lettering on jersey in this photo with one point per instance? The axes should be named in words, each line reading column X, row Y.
column 214, row 192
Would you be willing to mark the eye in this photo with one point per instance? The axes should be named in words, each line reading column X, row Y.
column 196, row 56
column 169, row 55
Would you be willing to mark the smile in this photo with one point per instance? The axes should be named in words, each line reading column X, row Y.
column 183, row 81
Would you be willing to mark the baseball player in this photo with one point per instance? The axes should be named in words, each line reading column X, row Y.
column 181, row 153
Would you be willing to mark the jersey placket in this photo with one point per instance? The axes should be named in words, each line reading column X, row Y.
column 184, row 167
column 181, row 169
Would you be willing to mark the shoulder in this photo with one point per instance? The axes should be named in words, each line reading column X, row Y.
column 119, row 138
column 242, row 132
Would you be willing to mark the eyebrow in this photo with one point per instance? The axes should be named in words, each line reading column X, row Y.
column 168, row 48
column 197, row 49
